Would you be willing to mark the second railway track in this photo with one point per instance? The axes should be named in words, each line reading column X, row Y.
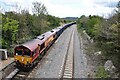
column 68, row 67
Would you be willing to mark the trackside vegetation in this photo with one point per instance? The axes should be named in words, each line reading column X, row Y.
column 105, row 34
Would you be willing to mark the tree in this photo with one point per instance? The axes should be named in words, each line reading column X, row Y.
column 91, row 24
column 53, row 21
column 9, row 32
column 39, row 8
column 82, row 22
column 109, row 38
column 40, row 21
column 25, row 24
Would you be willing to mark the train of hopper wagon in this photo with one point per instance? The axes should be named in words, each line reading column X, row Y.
column 26, row 54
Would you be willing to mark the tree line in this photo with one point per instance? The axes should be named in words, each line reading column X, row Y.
column 105, row 33
column 23, row 26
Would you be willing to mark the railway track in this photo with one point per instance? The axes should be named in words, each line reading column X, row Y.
column 17, row 74
column 7, row 70
column 20, row 75
column 7, row 66
column 68, row 67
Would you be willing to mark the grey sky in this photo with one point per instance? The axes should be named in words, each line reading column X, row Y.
column 65, row 8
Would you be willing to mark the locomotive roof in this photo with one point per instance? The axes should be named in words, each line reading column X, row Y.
column 46, row 35
column 56, row 29
column 31, row 45
column 59, row 27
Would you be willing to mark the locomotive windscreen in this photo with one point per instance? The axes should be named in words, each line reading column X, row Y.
column 26, row 52
column 18, row 52
column 22, row 52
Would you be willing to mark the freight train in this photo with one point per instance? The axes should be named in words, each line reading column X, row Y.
column 27, row 53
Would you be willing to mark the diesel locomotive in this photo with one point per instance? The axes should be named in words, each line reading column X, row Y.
column 27, row 53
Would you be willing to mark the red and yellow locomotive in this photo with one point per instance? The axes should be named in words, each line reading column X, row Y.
column 26, row 54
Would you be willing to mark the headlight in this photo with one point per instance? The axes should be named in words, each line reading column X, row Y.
column 22, row 59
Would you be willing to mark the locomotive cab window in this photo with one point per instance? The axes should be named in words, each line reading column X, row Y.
column 18, row 52
column 22, row 52
column 26, row 52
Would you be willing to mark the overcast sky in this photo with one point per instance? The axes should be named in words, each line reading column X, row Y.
column 65, row 8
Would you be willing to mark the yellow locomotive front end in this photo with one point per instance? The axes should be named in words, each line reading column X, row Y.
column 24, row 60
column 22, row 57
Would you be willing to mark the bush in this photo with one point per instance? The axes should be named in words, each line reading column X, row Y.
column 101, row 73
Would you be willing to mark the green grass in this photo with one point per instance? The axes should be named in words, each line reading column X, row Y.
column 101, row 73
